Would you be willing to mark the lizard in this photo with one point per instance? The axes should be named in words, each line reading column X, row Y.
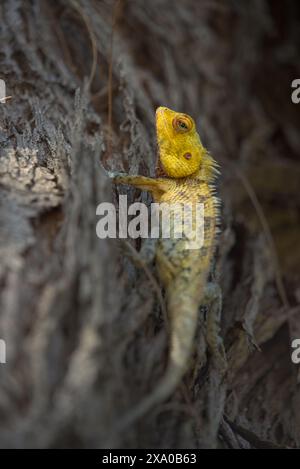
column 186, row 174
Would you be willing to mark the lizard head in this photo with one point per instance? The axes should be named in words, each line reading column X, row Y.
column 181, row 152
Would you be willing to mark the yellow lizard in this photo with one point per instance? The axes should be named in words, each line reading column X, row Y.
column 187, row 173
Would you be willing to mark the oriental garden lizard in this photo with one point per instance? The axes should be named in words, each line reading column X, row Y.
column 186, row 175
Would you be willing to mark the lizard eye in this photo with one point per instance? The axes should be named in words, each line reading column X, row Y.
column 182, row 124
column 187, row 156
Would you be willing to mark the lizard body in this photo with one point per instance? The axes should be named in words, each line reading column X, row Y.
column 187, row 177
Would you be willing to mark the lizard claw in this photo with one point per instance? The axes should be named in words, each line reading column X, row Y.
column 115, row 175
column 110, row 174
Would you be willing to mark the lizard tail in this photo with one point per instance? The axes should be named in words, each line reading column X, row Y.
column 183, row 312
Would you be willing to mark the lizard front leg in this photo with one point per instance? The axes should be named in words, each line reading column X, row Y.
column 142, row 182
column 213, row 300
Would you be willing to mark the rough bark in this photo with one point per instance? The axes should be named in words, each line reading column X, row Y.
column 84, row 331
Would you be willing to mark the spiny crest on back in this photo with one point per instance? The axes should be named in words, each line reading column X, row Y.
column 209, row 170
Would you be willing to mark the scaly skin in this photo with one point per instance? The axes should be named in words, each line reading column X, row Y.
column 188, row 174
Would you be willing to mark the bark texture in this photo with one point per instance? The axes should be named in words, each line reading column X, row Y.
column 83, row 327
